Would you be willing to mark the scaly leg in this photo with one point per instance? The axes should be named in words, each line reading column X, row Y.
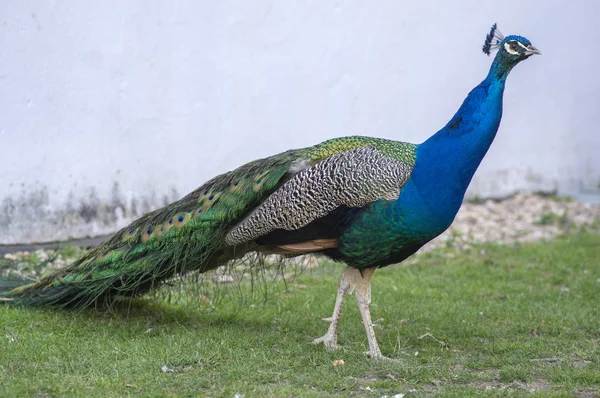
column 362, row 286
column 329, row 340
column 353, row 280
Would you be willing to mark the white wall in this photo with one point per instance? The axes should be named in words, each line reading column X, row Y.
column 112, row 108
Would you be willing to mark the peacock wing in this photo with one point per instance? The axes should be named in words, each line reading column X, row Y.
column 351, row 178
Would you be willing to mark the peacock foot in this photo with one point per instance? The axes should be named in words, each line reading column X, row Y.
column 380, row 357
column 329, row 341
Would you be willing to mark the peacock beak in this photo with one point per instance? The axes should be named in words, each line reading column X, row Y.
column 532, row 50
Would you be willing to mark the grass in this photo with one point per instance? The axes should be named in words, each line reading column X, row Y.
column 553, row 219
column 494, row 321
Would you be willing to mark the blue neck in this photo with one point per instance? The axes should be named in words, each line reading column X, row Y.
column 447, row 161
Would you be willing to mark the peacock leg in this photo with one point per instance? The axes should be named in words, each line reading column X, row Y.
column 362, row 287
column 329, row 340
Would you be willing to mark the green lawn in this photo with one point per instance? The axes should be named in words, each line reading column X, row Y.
column 495, row 321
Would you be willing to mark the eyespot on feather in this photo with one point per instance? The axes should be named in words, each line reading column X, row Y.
column 104, row 256
column 180, row 220
column 260, row 176
column 147, row 234
column 204, row 194
column 210, row 199
column 236, row 186
column 259, row 181
column 131, row 234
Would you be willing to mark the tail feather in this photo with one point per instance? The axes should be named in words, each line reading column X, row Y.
column 100, row 276
column 188, row 235
column 13, row 276
column 6, row 286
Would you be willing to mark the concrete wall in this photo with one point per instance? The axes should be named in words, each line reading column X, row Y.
column 112, row 108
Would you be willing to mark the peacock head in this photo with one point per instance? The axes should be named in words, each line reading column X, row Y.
column 511, row 49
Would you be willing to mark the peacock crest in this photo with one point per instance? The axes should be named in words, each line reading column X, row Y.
column 492, row 40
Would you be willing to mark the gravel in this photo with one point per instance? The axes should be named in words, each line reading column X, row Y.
column 518, row 219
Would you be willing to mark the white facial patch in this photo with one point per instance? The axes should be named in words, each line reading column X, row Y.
column 522, row 45
column 509, row 50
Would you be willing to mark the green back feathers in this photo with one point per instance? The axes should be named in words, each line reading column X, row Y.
column 402, row 151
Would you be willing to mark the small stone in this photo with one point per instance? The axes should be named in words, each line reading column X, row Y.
column 580, row 364
column 338, row 362
column 224, row 279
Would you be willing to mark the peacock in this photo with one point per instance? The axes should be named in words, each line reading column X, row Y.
column 366, row 202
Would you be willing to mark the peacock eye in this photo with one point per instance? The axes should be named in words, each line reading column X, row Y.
column 514, row 45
